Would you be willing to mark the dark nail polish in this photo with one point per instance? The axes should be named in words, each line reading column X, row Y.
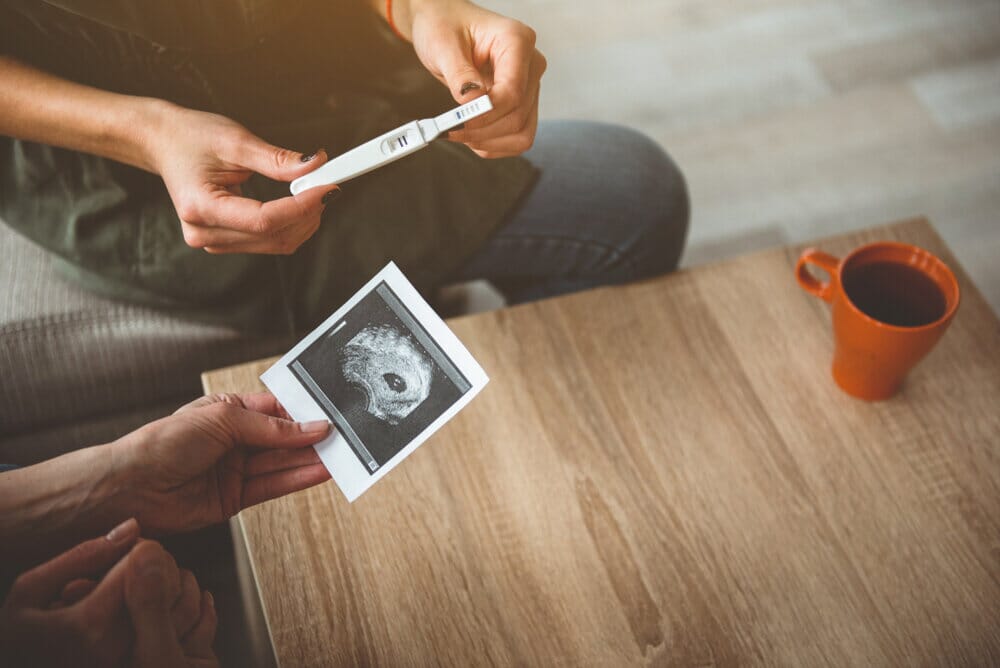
column 332, row 195
column 311, row 156
column 469, row 85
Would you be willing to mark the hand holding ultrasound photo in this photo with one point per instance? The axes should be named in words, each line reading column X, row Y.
column 385, row 370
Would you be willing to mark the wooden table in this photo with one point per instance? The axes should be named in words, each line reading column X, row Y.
column 664, row 473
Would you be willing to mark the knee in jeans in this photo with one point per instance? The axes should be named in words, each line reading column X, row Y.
column 661, row 205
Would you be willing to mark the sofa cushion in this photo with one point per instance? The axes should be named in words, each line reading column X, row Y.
column 67, row 355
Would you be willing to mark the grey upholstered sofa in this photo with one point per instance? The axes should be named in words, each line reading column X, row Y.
column 78, row 369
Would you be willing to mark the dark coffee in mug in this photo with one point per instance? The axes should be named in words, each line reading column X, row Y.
column 894, row 293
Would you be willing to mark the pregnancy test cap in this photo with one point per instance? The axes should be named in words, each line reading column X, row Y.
column 391, row 146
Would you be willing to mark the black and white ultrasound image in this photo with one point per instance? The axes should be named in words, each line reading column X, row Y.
column 380, row 381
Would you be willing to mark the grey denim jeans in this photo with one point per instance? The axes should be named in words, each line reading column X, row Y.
column 609, row 206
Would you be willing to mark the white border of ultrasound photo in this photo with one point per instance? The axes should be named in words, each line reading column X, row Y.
column 343, row 461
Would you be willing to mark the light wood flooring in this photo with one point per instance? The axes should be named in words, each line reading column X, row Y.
column 795, row 119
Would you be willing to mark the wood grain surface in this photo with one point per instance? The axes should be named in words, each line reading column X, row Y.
column 664, row 473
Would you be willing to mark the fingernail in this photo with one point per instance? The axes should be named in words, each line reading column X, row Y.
column 311, row 156
column 210, row 598
column 314, row 426
column 124, row 532
column 469, row 85
column 332, row 195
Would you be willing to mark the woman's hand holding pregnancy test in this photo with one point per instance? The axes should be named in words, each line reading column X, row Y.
column 472, row 50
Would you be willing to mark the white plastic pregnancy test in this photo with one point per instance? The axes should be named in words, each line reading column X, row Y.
column 391, row 146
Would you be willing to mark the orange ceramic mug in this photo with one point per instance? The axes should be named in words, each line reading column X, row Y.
column 891, row 304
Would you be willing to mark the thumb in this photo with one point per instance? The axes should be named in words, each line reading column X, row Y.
column 459, row 71
column 274, row 162
column 147, row 596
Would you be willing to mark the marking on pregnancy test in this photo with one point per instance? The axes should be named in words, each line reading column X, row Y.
column 468, row 109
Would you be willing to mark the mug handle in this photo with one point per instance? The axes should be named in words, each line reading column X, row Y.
column 826, row 262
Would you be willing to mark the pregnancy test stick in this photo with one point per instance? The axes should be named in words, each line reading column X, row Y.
column 391, row 146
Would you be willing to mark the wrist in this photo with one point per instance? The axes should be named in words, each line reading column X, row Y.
column 48, row 507
column 141, row 124
column 37, row 106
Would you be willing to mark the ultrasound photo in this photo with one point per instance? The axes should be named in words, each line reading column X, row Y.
column 379, row 376
column 386, row 370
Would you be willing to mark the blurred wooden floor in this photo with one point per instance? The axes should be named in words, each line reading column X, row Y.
column 795, row 119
